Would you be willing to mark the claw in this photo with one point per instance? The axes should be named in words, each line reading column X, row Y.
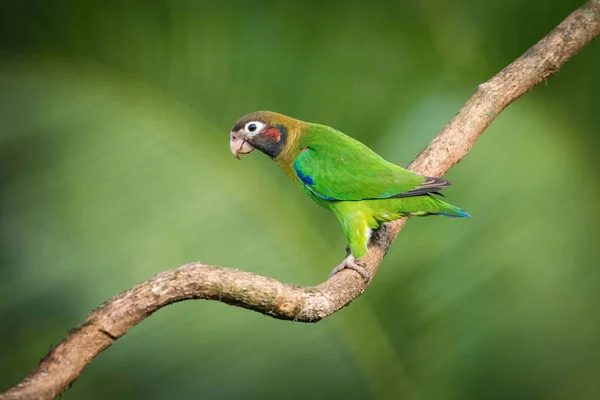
column 356, row 265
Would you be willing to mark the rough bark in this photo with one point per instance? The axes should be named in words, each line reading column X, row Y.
column 62, row 364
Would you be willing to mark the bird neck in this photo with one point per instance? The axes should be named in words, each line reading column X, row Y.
column 285, row 159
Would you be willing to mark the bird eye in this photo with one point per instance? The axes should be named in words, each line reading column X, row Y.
column 254, row 127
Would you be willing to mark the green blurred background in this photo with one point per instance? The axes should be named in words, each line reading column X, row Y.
column 115, row 165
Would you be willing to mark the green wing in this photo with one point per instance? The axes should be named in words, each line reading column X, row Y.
column 334, row 166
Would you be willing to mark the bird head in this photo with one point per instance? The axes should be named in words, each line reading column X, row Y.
column 265, row 131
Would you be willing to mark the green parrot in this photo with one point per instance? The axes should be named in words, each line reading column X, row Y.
column 343, row 175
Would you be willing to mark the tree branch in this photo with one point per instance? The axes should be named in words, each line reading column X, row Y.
column 62, row 364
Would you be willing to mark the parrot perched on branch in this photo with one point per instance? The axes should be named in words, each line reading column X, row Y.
column 343, row 175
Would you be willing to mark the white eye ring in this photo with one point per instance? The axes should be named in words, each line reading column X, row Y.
column 253, row 127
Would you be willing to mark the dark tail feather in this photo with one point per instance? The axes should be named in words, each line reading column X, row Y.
column 431, row 185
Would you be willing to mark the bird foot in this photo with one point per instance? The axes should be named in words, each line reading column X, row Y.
column 351, row 263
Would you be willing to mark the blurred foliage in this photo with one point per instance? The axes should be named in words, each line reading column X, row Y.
column 115, row 165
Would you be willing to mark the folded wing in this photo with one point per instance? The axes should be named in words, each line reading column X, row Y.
column 341, row 168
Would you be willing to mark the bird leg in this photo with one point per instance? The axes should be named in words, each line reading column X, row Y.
column 352, row 263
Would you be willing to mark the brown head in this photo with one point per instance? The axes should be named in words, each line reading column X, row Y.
column 266, row 131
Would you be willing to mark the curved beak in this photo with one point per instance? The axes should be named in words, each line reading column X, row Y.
column 238, row 145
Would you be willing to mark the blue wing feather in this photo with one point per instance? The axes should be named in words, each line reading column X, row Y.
column 307, row 179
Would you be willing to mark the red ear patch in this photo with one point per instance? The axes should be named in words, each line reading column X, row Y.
column 273, row 134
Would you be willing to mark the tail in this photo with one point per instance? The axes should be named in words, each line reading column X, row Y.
column 427, row 204
column 448, row 210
